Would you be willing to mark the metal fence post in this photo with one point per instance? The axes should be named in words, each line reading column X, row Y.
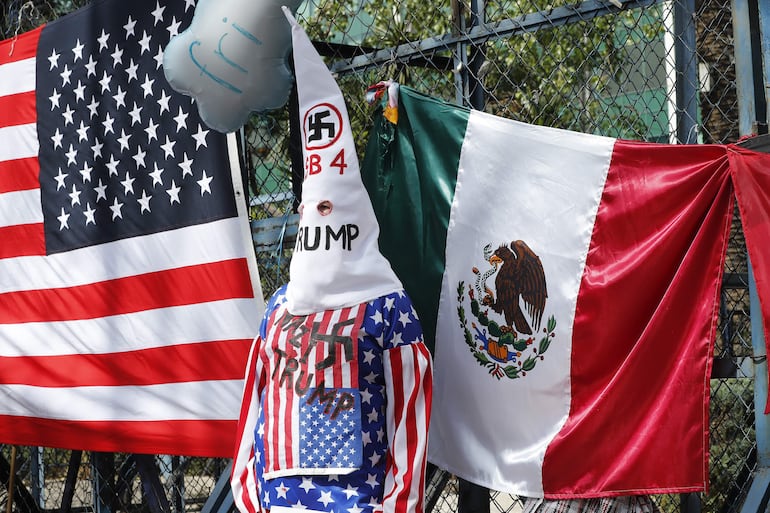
column 752, row 102
column 690, row 503
column 460, row 61
column 686, row 71
column 102, row 481
column 760, row 32
column 221, row 498
column 748, row 18
column 472, row 498
column 757, row 498
column 468, row 86
column 476, row 96
column 37, row 475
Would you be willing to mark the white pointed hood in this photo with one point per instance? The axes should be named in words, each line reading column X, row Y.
column 336, row 260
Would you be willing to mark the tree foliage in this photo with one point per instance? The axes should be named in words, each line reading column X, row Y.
column 559, row 75
column 19, row 16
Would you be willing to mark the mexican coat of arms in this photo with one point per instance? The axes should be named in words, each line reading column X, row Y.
column 502, row 337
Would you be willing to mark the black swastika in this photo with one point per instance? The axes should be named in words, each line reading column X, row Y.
column 317, row 126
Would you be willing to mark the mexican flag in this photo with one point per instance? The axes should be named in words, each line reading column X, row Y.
column 571, row 285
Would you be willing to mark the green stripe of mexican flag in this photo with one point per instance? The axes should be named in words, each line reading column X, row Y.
column 571, row 285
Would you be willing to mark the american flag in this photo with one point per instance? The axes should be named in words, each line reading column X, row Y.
column 129, row 294
column 313, row 357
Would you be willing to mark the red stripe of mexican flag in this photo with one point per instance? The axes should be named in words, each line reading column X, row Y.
column 620, row 261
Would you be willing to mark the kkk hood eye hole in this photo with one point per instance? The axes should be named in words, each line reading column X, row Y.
column 325, row 207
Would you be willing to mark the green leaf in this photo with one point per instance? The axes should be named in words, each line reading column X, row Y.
column 551, row 324
column 483, row 319
column 529, row 364
column 507, row 339
column 494, row 329
column 475, row 308
column 520, row 345
column 544, row 343
column 511, row 371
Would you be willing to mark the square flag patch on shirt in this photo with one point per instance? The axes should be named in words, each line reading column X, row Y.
column 330, row 429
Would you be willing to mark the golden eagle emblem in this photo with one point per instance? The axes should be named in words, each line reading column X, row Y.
column 520, row 276
column 501, row 337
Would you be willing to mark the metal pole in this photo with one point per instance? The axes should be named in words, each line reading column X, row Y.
column 760, row 375
column 102, row 481
column 472, row 498
column 762, row 32
column 755, row 14
column 476, row 97
column 686, row 71
column 11, row 481
column 460, row 53
column 689, row 503
column 76, row 457
column 37, row 475
column 757, row 498
column 748, row 19
column 744, row 70
column 745, row 14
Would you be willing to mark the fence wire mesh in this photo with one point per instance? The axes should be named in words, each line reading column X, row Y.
column 661, row 71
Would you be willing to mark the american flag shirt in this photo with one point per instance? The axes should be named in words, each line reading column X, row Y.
column 336, row 409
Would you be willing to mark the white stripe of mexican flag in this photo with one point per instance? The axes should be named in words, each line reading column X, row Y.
column 612, row 250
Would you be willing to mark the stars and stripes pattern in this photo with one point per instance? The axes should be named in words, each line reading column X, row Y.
column 128, row 287
column 330, row 435
column 311, row 362
column 394, row 386
column 121, row 154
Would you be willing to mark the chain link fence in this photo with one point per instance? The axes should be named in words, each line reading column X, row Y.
column 645, row 70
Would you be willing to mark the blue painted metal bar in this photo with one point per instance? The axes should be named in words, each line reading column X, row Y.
column 746, row 69
column 686, row 72
column 476, row 96
column 764, row 36
column 460, row 54
column 744, row 80
column 690, row 503
column 103, row 481
column 221, row 498
column 76, row 457
column 760, row 100
column 760, row 376
column 154, row 492
column 468, row 57
column 472, row 498
column 37, row 475
column 757, row 498
column 748, row 97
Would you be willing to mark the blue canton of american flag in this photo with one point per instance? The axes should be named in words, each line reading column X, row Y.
column 122, row 153
column 330, row 436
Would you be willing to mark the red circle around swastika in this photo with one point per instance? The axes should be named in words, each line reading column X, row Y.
column 324, row 118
